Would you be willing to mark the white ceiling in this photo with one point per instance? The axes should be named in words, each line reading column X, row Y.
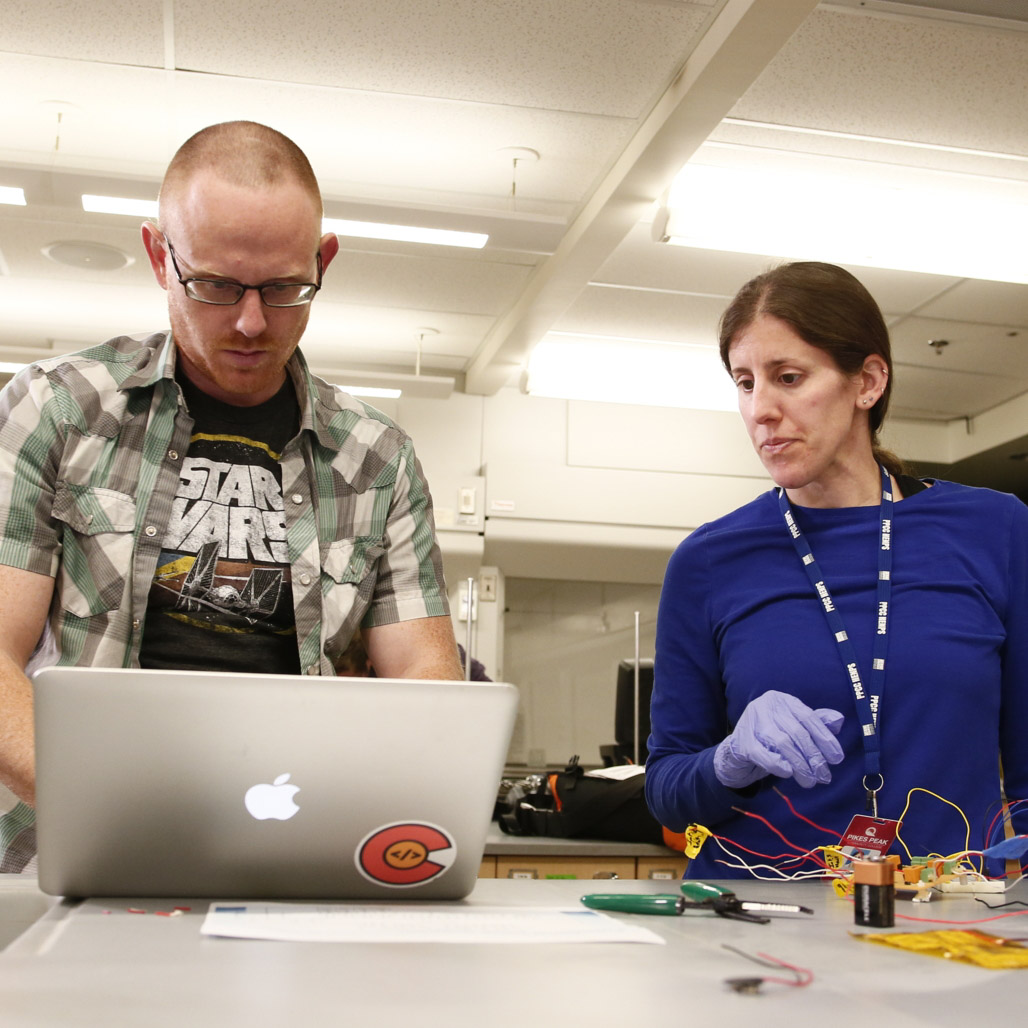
column 407, row 109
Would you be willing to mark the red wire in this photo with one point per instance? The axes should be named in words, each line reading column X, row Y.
column 978, row 920
column 803, row 976
column 770, row 856
column 806, row 976
column 803, row 855
column 813, row 824
column 749, row 813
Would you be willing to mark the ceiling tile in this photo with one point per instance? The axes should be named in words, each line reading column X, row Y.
column 341, row 333
column 430, row 283
column 641, row 262
column 116, row 31
column 771, row 137
column 360, row 145
column 916, row 79
column 594, row 56
column 989, row 349
column 641, row 314
column 927, row 392
column 994, row 303
column 23, row 240
column 899, row 292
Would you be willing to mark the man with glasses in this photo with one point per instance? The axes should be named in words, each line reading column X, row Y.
column 198, row 499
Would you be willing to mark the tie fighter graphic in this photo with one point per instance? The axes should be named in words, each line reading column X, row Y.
column 262, row 590
column 198, row 582
column 257, row 599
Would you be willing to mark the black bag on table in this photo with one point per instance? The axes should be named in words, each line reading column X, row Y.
column 572, row 804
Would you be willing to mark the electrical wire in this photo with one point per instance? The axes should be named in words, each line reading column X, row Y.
column 1000, row 906
column 803, row 976
column 802, row 817
column 764, row 820
column 976, row 920
column 797, row 876
column 1004, row 816
column 787, row 858
column 740, row 864
column 824, row 870
column 939, row 862
column 967, row 824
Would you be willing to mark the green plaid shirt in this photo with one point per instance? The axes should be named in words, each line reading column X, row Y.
column 90, row 450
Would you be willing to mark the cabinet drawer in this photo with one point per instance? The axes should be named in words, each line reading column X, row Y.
column 565, row 867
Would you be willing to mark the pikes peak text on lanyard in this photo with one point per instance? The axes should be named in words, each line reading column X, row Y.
column 867, row 705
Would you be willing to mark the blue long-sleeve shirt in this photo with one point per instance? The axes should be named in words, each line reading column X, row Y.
column 738, row 617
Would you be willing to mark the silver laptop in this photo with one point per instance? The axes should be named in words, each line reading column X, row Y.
column 203, row 784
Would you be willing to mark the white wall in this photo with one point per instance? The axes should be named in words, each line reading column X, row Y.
column 573, row 486
column 565, row 640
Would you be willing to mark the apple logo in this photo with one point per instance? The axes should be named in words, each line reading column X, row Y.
column 274, row 800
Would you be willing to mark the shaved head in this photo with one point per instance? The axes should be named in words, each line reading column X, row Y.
column 243, row 206
column 242, row 153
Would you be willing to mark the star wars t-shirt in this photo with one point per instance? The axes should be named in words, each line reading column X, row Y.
column 221, row 598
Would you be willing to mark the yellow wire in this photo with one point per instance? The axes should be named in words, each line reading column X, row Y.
column 967, row 824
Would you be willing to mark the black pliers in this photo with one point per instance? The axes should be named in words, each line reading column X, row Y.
column 724, row 902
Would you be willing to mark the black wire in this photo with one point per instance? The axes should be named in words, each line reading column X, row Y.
column 1000, row 906
column 753, row 957
column 752, row 985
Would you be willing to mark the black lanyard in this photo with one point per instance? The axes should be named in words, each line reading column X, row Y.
column 867, row 700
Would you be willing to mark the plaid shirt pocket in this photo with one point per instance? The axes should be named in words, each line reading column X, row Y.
column 349, row 570
column 97, row 537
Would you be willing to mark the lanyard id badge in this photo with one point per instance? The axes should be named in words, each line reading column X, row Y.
column 867, row 699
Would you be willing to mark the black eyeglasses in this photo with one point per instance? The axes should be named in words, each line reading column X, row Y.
column 226, row 293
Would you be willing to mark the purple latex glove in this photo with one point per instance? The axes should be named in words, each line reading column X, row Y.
column 780, row 735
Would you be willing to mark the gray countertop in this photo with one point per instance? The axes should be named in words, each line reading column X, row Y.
column 96, row 965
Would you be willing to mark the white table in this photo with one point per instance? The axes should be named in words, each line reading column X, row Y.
column 81, row 965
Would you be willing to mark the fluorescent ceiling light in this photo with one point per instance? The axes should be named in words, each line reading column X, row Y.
column 10, row 368
column 119, row 205
column 640, row 371
column 371, row 391
column 852, row 212
column 13, row 195
column 390, row 385
column 405, row 233
column 860, row 137
column 364, row 229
